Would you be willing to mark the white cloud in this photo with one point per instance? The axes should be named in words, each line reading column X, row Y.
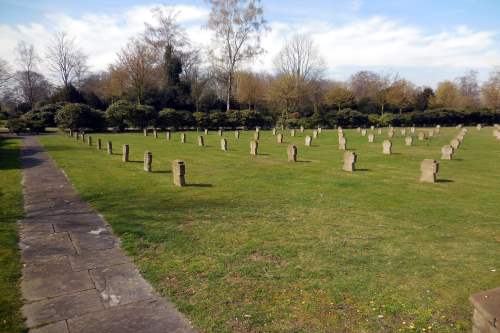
column 368, row 43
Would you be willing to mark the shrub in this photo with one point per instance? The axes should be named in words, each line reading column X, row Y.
column 118, row 113
column 16, row 125
column 78, row 116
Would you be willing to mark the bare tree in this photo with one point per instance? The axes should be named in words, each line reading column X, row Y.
column 5, row 74
column 299, row 68
column 469, row 89
column 300, row 59
column 238, row 26
column 167, row 32
column 31, row 87
column 28, row 61
column 66, row 60
column 138, row 61
column 491, row 90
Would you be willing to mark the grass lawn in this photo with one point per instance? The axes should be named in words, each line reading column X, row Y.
column 259, row 244
column 11, row 210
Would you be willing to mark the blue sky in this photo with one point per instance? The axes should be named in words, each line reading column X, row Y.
column 425, row 41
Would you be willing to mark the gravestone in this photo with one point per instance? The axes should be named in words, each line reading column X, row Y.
column 83, row 137
column 274, row 131
column 315, row 134
column 412, row 130
column 342, row 143
column 292, row 132
column 319, row 130
column 110, row 148
column 308, row 140
column 428, row 171
column 254, row 147
column 257, row 129
column 89, row 140
column 403, row 131
column 201, row 141
column 220, row 132
column 256, row 136
column 237, row 134
column 168, row 135
column 379, row 131
column 390, row 134
column 292, row 153
column 99, row 144
column 447, row 152
column 301, row 129
column 372, row 127
column 409, row 140
column 358, row 129
column 148, row 161
column 349, row 161
column 371, row 138
column 125, row 154
column 387, row 147
column 206, row 131
column 455, row 143
column 183, row 138
column 155, row 133
column 431, row 133
column 77, row 136
column 363, row 132
column 70, row 133
column 145, row 131
column 179, row 172
column 421, row 136
column 223, row 144
column 279, row 138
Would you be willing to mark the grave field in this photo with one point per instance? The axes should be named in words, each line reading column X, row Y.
column 260, row 244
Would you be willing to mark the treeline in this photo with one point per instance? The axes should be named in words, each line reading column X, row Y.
column 161, row 79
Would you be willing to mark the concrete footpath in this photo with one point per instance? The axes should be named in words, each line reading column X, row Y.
column 75, row 276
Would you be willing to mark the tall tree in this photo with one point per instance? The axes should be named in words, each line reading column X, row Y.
column 66, row 60
column 339, row 96
column 28, row 61
column 447, row 95
column 137, row 60
column 423, row 98
column 491, row 91
column 5, row 74
column 31, row 87
column 238, row 26
column 468, row 88
column 299, row 66
column 250, row 88
column 401, row 94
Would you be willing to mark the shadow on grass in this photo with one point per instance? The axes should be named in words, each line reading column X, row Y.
column 199, row 185
column 162, row 171
column 363, row 170
column 444, row 181
column 303, row 161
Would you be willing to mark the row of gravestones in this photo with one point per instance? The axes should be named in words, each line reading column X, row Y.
column 178, row 166
column 486, row 313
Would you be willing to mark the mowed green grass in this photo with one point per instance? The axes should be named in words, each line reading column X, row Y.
column 11, row 210
column 259, row 244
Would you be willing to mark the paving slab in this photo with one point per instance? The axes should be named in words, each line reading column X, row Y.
column 36, row 245
column 59, row 327
column 76, row 278
column 98, row 238
column 120, row 285
column 50, row 278
column 61, row 308
column 154, row 316
column 98, row 259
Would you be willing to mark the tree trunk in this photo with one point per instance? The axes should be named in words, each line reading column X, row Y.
column 229, row 91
